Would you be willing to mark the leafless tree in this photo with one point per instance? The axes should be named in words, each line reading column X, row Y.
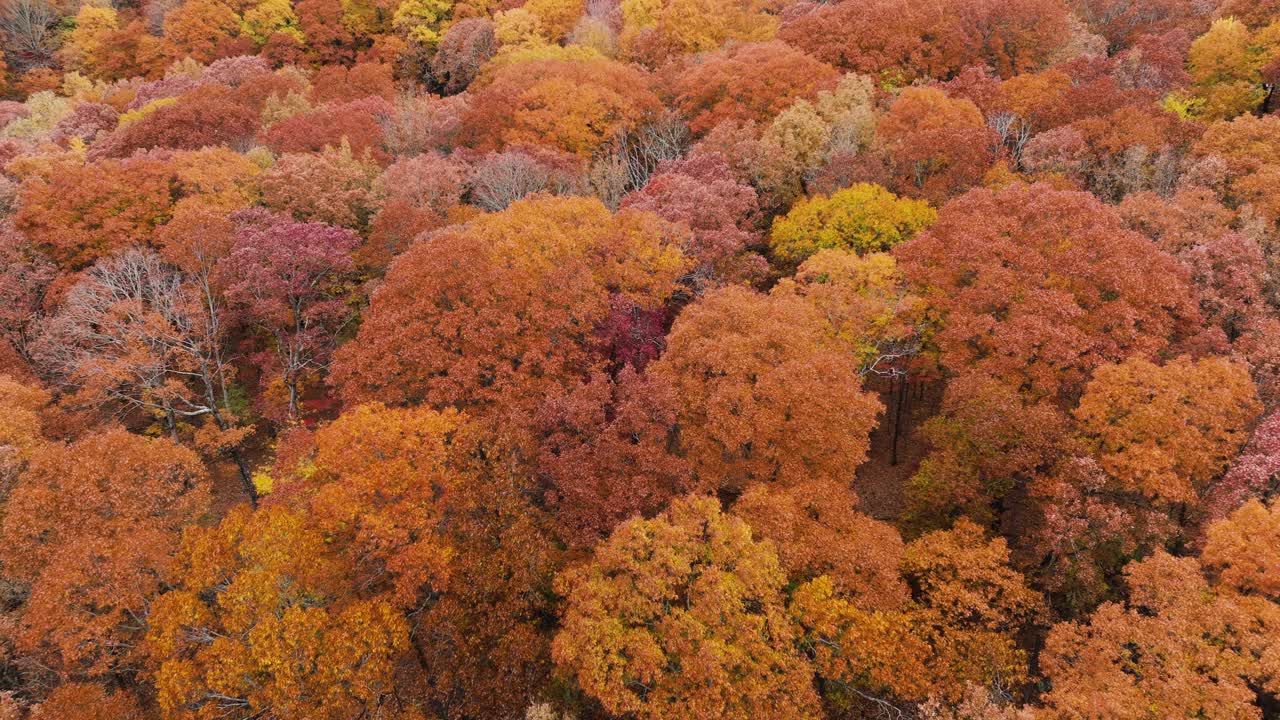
column 1014, row 133
column 503, row 178
column 643, row 149
column 138, row 335
column 27, row 29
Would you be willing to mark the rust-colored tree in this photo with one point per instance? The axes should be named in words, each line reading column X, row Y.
column 92, row 527
column 765, row 393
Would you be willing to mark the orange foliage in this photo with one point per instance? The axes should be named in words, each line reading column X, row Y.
column 491, row 316
column 578, row 106
column 92, row 526
column 765, row 394
column 747, row 82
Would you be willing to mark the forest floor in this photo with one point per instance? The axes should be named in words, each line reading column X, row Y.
column 881, row 484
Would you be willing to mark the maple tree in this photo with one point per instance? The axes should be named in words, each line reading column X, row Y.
column 578, row 106
column 1237, row 158
column 819, row 532
column 207, row 116
column 258, row 620
column 334, row 186
column 92, row 564
column 684, row 616
column 1040, row 286
column 358, row 123
column 908, row 40
column 956, row 629
column 1178, row 645
column 291, row 279
column 765, row 394
column 938, row 144
column 718, row 211
column 864, row 218
column 1167, row 431
column 1226, row 68
column 747, row 83
column 604, row 451
column 444, row 328
column 80, row 212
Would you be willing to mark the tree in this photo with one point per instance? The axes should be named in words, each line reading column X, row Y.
column 719, row 213
column 1123, row 21
column 818, row 531
column 938, row 146
column 261, row 619
column 1227, row 267
column 1132, row 149
column 329, row 39
column 25, row 276
column 375, row 485
column 579, row 106
column 1038, row 287
column 340, row 84
column 765, row 394
column 683, row 616
column 500, row 178
column 28, row 31
column 867, row 304
column 491, row 316
column 77, row 213
column 746, row 83
column 604, row 453
column 84, row 42
column 93, row 563
column 1231, row 549
column 1253, row 14
column 904, row 41
column 21, row 429
column 358, row 123
column 420, row 194
column 465, row 46
column 1166, row 432
column 484, row 644
column 986, row 441
column 1237, row 158
column 210, row 115
column 271, row 18
column 334, row 186
column 864, row 218
column 201, row 29
column 654, row 32
column 1153, row 441
column 135, row 335
column 291, row 280
column 957, row 630
column 1226, row 65
column 1178, row 646
column 1252, row 474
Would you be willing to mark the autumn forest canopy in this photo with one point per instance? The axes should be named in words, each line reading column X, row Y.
column 639, row 360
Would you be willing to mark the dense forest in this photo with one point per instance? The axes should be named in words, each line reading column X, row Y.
column 639, row 359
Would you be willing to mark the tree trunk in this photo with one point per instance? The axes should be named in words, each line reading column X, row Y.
column 903, row 388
